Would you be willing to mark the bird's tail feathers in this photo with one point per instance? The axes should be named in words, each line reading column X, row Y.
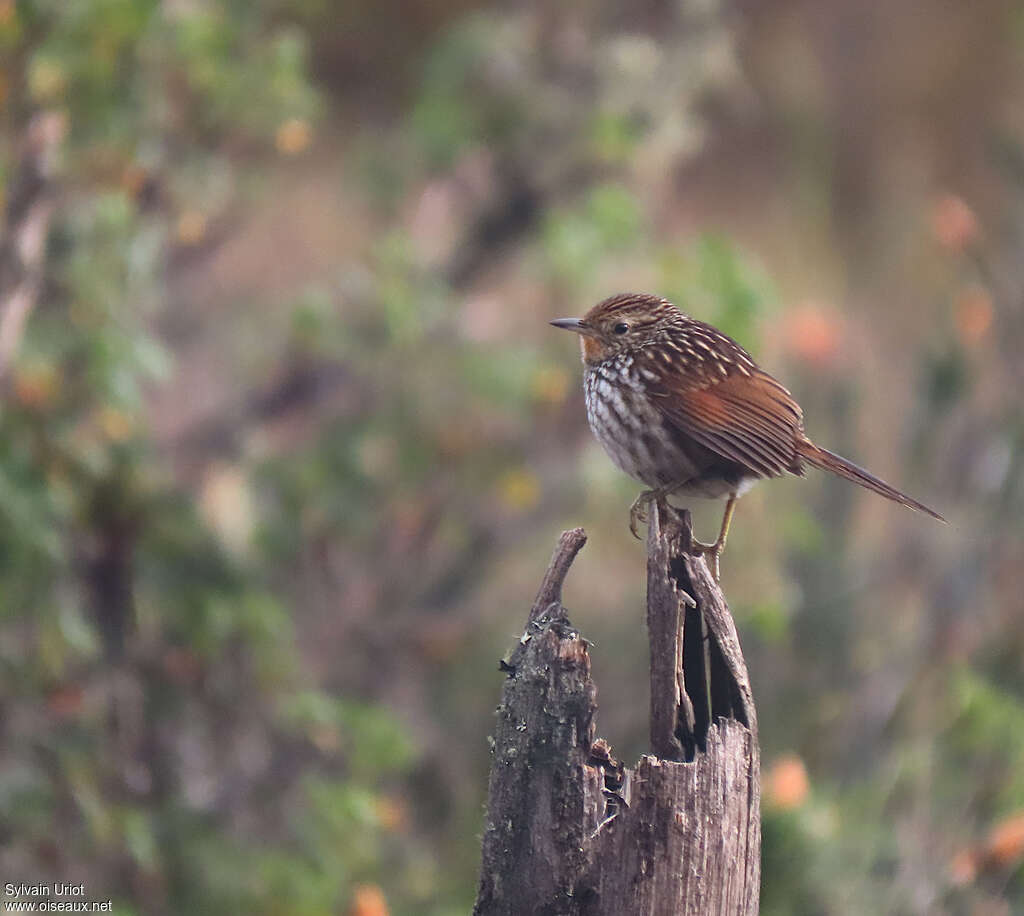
column 829, row 461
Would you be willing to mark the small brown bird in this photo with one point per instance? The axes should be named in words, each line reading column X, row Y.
column 683, row 408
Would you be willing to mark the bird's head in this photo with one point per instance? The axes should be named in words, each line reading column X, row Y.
column 619, row 324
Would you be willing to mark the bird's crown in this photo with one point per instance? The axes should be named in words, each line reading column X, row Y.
column 621, row 323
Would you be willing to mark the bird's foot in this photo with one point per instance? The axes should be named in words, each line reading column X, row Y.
column 638, row 515
column 714, row 551
column 711, row 552
column 638, row 511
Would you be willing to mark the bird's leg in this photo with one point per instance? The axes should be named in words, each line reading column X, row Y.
column 638, row 511
column 714, row 551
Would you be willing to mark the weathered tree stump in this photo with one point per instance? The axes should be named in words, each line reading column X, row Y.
column 569, row 830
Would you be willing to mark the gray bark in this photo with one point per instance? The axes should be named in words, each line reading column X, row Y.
column 570, row 831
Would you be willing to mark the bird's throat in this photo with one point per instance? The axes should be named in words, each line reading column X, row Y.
column 592, row 349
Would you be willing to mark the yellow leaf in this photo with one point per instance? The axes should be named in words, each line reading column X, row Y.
column 519, row 490
column 293, row 136
column 116, row 424
column 36, row 385
column 225, row 502
column 550, row 385
column 191, row 228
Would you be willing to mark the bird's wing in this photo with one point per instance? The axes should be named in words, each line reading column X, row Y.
column 742, row 414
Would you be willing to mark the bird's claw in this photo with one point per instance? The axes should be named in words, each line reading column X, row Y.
column 711, row 552
column 638, row 511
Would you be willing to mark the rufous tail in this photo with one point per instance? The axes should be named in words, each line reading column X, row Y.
column 829, row 461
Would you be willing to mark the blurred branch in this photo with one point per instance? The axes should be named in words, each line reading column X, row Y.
column 294, row 389
column 26, row 226
column 514, row 211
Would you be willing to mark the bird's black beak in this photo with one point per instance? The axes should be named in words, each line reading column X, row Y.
column 571, row 324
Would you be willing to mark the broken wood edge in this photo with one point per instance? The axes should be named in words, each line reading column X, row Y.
column 569, row 544
column 569, row 829
column 543, row 799
column 686, row 840
column 685, row 825
column 698, row 674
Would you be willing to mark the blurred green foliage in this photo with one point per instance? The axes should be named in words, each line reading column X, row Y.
column 606, row 221
column 136, row 648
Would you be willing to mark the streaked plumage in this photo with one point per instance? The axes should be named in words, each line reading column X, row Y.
column 685, row 409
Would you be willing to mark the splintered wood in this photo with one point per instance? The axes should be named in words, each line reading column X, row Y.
column 569, row 830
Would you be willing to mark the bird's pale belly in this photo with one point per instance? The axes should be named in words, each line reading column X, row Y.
column 637, row 439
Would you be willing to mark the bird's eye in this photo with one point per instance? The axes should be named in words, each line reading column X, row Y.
column 621, row 328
